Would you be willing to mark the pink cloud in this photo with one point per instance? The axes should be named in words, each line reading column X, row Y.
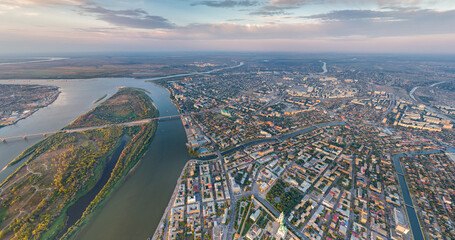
column 31, row 3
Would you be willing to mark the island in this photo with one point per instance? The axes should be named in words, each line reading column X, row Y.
column 67, row 176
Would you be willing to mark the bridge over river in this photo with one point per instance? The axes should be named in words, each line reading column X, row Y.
column 45, row 134
column 128, row 124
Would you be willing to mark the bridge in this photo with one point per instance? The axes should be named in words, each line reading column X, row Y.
column 128, row 124
column 25, row 136
column 45, row 134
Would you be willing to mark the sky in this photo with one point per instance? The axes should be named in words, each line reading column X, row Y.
column 358, row 26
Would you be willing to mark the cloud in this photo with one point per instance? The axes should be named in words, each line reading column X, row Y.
column 31, row 3
column 279, row 7
column 7, row 7
column 226, row 3
column 20, row 43
column 345, row 15
column 336, row 24
column 133, row 18
column 237, row 20
column 32, row 14
column 407, row 18
column 350, row 26
column 270, row 10
column 339, row 25
column 287, row 2
column 377, row 2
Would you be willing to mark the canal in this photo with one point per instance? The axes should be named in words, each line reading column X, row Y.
column 410, row 209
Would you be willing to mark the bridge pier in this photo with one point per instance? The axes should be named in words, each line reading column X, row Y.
column 24, row 137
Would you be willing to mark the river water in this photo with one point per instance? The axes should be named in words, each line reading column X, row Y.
column 437, row 112
column 134, row 210
column 324, row 67
column 75, row 211
column 412, row 215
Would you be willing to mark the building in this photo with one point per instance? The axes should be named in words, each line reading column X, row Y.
column 282, row 230
column 401, row 224
column 255, row 215
column 254, row 232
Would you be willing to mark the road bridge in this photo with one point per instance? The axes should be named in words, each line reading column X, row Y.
column 128, row 124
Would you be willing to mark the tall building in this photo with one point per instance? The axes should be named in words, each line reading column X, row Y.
column 282, row 230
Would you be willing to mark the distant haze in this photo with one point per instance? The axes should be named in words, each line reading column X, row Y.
column 380, row 26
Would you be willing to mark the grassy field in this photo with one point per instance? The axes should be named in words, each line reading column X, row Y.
column 64, row 166
column 100, row 67
column 128, row 104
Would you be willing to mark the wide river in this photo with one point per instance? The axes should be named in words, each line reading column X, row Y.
column 134, row 210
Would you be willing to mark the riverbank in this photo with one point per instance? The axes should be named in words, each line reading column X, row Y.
column 160, row 167
column 408, row 198
column 64, row 168
column 72, row 211
column 175, row 213
column 162, row 229
column 75, row 211
column 30, row 112
column 187, row 121
column 129, row 158
column 161, row 225
column 99, row 99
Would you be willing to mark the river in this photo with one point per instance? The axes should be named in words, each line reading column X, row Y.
column 324, row 67
column 36, row 60
column 443, row 116
column 76, row 210
column 134, row 210
column 410, row 208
